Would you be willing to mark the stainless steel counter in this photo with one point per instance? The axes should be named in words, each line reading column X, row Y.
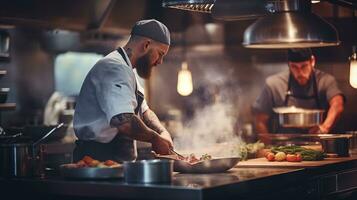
column 237, row 183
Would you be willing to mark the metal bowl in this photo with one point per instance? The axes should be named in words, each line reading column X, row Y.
column 148, row 171
column 293, row 117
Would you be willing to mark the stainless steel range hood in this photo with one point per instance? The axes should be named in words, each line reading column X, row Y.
column 191, row 5
column 282, row 23
column 291, row 25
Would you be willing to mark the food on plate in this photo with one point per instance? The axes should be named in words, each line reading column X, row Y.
column 88, row 161
column 206, row 157
column 192, row 159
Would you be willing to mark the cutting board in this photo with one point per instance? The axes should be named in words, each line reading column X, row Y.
column 263, row 162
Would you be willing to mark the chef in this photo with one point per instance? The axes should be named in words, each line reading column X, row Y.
column 111, row 112
column 301, row 86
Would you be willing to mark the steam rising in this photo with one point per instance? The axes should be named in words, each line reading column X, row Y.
column 213, row 129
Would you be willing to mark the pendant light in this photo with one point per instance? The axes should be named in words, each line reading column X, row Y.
column 353, row 68
column 184, row 80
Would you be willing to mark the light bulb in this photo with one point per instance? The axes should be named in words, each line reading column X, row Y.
column 184, row 81
column 353, row 70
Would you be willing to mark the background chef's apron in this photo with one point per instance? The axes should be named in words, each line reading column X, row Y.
column 120, row 149
column 298, row 100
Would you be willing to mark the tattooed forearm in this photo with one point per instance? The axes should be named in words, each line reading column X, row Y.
column 120, row 119
column 152, row 121
column 130, row 125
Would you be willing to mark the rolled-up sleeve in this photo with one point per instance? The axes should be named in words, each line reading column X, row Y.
column 115, row 89
column 331, row 87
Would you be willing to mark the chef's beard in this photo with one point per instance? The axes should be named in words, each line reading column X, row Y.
column 143, row 66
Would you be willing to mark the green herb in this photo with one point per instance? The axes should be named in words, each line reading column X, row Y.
column 306, row 154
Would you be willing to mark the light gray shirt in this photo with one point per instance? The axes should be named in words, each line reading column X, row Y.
column 109, row 89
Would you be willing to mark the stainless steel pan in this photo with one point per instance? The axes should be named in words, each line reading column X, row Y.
column 293, row 117
column 215, row 165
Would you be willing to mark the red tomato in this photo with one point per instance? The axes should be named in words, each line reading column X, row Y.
column 291, row 158
column 270, row 156
column 298, row 158
column 87, row 159
column 110, row 163
column 266, row 154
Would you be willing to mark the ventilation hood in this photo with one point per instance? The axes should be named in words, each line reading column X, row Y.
column 290, row 25
column 281, row 23
column 191, row 5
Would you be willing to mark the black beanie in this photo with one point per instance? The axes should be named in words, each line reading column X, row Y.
column 299, row 55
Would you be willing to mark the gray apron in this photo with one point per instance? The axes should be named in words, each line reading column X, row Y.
column 120, row 149
column 313, row 102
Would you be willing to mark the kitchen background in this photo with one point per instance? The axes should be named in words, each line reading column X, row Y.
column 226, row 76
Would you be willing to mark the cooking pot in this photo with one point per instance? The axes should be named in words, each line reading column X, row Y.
column 293, row 117
column 19, row 159
column 336, row 145
column 148, row 171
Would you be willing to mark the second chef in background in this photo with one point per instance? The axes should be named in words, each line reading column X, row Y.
column 111, row 112
column 301, row 86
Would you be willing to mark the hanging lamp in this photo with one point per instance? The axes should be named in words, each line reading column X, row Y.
column 353, row 68
column 184, row 80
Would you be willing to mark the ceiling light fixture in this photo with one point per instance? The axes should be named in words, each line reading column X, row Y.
column 184, row 80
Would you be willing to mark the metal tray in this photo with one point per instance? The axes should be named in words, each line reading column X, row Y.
column 215, row 165
column 92, row 172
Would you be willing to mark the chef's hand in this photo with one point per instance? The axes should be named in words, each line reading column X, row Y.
column 320, row 129
column 161, row 145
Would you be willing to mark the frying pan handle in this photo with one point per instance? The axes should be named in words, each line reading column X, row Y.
column 49, row 133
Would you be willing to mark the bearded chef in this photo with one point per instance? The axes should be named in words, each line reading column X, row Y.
column 302, row 85
column 111, row 112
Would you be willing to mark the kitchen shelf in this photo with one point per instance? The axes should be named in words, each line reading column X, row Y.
column 3, row 72
column 7, row 106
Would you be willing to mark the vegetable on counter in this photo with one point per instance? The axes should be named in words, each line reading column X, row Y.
column 297, row 153
column 280, row 156
column 247, row 150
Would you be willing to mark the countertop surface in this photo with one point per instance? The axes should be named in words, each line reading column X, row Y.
column 237, row 182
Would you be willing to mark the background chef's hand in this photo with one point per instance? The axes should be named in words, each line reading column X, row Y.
column 320, row 129
column 161, row 145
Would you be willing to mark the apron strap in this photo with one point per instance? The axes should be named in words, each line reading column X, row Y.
column 315, row 91
column 288, row 91
column 138, row 94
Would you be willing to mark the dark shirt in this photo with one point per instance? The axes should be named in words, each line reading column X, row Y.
column 276, row 86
